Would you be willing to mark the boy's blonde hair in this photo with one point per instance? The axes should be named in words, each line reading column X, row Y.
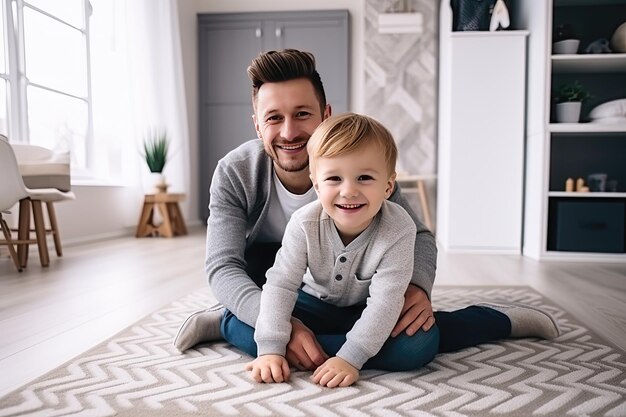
column 347, row 132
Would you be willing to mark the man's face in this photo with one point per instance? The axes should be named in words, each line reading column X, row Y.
column 286, row 115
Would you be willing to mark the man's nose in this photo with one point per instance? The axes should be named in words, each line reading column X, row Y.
column 289, row 129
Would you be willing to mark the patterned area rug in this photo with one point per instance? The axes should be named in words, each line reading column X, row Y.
column 139, row 373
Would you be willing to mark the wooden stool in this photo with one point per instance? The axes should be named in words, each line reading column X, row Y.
column 173, row 223
column 420, row 189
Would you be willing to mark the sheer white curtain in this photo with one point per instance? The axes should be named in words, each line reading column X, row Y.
column 138, row 86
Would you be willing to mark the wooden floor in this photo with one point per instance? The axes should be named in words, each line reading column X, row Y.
column 49, row 315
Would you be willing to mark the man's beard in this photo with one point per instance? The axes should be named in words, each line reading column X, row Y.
column 288, row 168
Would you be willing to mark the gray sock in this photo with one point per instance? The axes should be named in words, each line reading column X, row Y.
column 201, row 326
column 527, row 321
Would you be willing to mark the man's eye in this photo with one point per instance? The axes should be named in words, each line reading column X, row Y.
column 273, row 119
column 302, row 114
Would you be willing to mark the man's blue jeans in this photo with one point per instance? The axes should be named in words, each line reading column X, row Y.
column 454, row 330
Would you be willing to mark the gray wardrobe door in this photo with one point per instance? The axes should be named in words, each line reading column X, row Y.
column 227, row 45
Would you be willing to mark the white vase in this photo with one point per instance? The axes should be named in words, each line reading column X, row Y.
column 567, row 46
column 568, row 112
column 158, row 182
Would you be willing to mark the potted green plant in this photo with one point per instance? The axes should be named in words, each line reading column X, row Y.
column 156, row 146
column 569, row 98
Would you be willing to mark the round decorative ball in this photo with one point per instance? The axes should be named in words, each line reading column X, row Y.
column 618, row 41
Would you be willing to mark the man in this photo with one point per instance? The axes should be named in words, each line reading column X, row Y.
column 255, row 189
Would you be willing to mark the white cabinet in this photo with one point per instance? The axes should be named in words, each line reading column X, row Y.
column 558, row 224
column 481, row 139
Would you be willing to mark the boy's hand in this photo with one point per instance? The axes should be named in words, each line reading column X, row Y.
column 417, row 312
column 269, row 368
column 335, row 372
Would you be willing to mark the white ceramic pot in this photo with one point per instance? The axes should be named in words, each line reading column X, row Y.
column 568, row 112
column 567, row 46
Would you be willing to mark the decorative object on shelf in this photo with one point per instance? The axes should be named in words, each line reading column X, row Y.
column 569, row 99
column 156, row 146
column 580, row 186
column 599, row 46
column 499, row 16
column 565, row 40
column 618, row 40
column 611, row 186
column 569, row 185
column 597, row 182
column 611, row 112
column 471, row 15
column 399, row 16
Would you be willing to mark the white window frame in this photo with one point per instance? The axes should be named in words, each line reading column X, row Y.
column 18, row 83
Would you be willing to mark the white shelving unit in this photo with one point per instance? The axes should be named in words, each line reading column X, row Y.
column 480, row 180
column 555, row 151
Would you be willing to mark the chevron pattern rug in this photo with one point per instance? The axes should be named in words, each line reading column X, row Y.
column 139, row 373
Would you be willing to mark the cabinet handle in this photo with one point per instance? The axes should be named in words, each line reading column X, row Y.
column 279, row 32
column 258, row 32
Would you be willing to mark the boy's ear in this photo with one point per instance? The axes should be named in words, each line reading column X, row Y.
column 391, row 183
column 315, row 186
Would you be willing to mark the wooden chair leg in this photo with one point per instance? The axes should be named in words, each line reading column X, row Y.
column 40, row 232
column 23, row 232
column 54, row 228
column 7, row 236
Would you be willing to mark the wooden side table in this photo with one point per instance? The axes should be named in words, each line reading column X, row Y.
column 173, row 223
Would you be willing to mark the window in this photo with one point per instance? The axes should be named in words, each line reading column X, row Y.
column 45, row 76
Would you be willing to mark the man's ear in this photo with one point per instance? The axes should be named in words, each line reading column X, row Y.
column 391, row 183
column 256, row 126
column 328, row 111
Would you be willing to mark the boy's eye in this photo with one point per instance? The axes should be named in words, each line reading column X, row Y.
column 333, row 179
column 365, row 178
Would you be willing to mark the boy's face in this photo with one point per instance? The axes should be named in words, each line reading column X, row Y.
column 286, row 114
column 352, row 188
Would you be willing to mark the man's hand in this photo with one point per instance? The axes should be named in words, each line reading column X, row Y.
column 303, row 350
column 269, row 368
column 335, row 372
column 417, row 312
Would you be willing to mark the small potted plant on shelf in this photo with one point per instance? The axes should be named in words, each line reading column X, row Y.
column 565, row 40
column 569, row 99
column 155, row 146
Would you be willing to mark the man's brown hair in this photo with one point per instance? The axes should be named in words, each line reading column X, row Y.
column 285, row 65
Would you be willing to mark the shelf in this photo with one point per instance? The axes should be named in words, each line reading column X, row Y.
column 572, row 63
column 560, row 3
column 587, row 128
column 590, row 194
column 551, row 255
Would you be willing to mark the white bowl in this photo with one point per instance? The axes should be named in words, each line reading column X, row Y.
column 567, row 46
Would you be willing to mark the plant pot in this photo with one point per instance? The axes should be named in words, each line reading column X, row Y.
column 159, row 182
column 567, row 46
column 568, row 112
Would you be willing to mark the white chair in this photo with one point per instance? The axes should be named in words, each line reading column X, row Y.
column 37, row 196
column 46, row 175
column 12, row 190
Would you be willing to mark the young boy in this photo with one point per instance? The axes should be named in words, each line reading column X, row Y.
column 351, row 249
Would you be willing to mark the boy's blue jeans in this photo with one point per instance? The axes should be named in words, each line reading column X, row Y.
column 453, row 331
